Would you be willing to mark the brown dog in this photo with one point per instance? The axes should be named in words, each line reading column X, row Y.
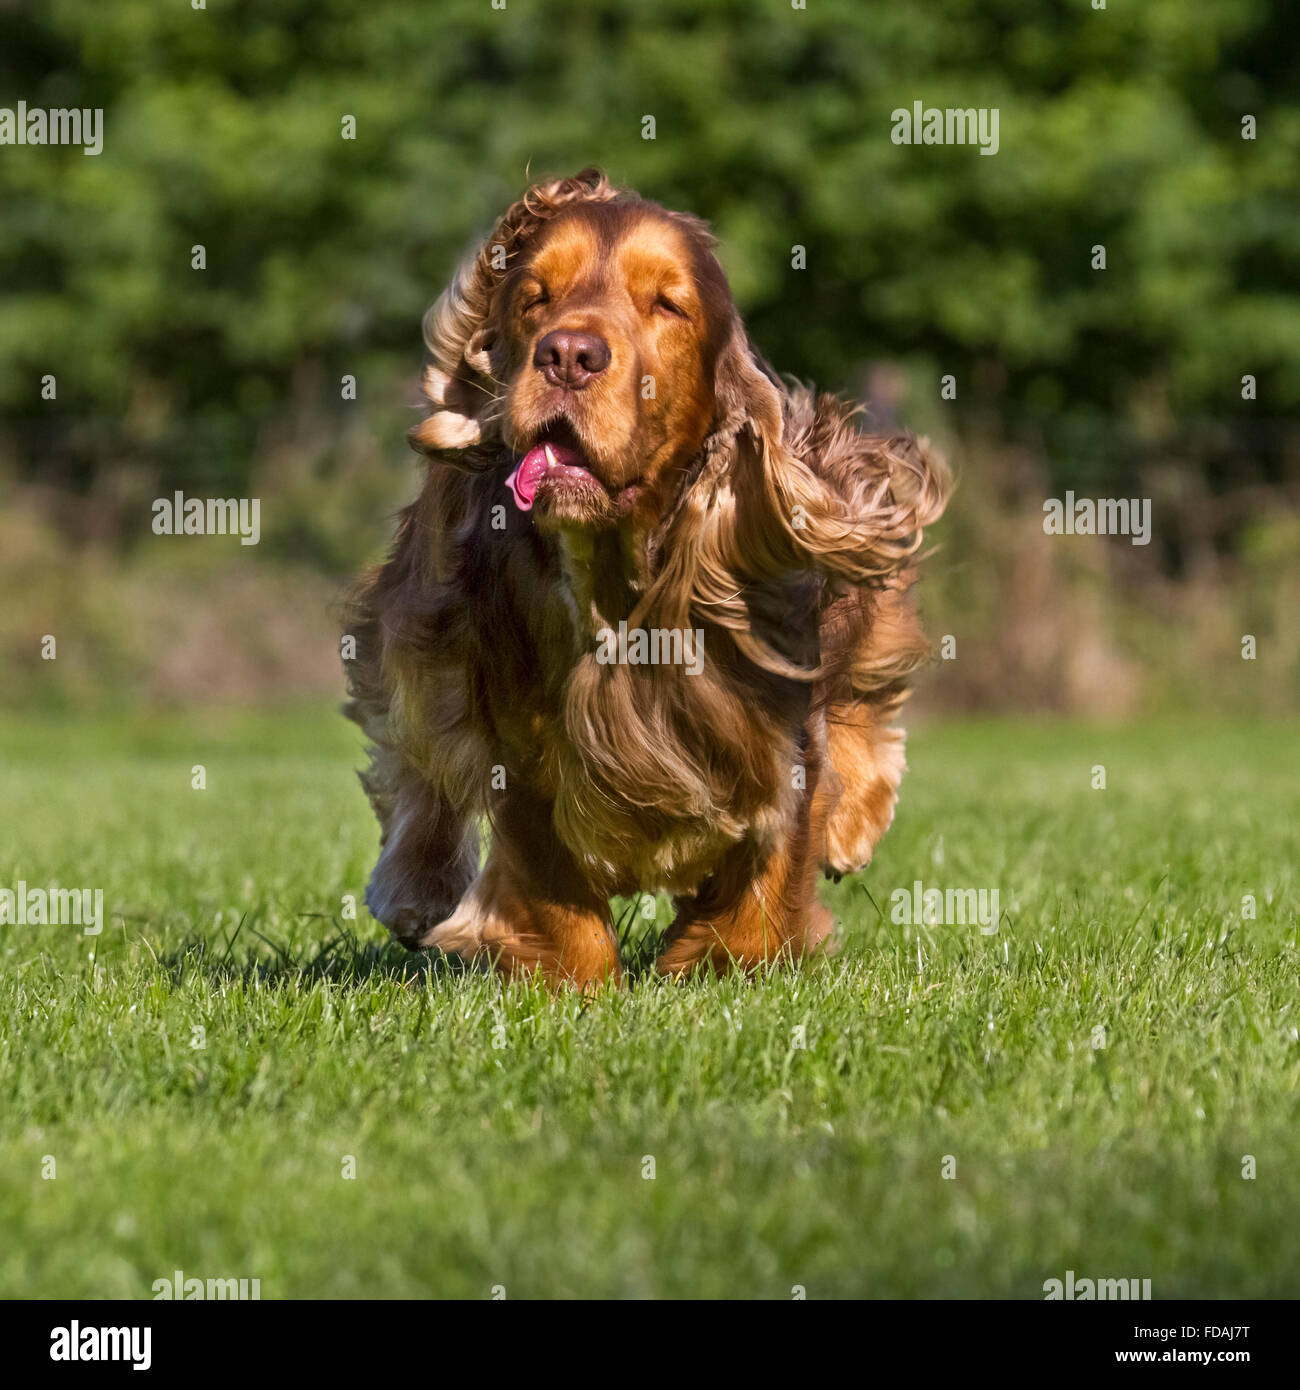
column 647, row 615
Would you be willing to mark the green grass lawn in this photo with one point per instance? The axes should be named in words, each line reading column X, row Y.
column 501, row 1137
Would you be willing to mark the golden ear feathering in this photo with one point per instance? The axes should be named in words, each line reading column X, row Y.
column 459, row 383
column 788, row 485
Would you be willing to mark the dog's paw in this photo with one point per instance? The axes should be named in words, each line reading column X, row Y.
column 410, row 924
column 460, row 933
column 871, row 765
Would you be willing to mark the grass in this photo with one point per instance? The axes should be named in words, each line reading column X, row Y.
column 502, row 1138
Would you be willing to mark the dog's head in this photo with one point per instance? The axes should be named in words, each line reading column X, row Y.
column 590, row 352
column 609, row 331
column 595, row 338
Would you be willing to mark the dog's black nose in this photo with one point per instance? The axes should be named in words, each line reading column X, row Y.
column 571, row 359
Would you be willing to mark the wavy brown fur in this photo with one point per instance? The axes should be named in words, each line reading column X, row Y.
column 756, row 514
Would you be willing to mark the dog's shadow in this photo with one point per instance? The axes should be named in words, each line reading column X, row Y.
column 344, row 959
column 340, row 958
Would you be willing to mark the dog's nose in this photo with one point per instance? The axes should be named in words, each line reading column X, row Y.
column 571, row 359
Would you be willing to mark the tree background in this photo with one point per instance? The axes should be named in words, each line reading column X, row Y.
column 223, row 127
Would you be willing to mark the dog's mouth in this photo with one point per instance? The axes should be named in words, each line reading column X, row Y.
column 555, row 458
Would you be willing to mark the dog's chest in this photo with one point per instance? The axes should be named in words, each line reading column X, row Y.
column 657, row 749
column 652, row 779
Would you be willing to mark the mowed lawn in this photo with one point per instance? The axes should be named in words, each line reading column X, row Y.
column 672, row 1141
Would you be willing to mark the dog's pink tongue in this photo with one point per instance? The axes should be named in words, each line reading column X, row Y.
column 528, row 473
column 532, row 467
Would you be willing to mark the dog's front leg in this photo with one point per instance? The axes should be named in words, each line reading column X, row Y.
column 429, row 852
column 530, row 909
column 754, row 908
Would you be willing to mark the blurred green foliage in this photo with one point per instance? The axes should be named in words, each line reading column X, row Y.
column 223, row 127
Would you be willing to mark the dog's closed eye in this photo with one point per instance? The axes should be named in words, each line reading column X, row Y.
column 534, row 296
column 669, row 307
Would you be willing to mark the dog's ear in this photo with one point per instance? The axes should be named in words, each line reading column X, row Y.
column 747, row 395
column 785, row 484
column 459, row 330
column 861, row 502
column 726, row 536
column 810, row 490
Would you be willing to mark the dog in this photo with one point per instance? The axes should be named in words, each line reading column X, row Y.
column 616, row 479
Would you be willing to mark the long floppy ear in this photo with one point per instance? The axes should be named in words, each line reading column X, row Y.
column 817, row 493
column 786, row 484
column 858, row 503
column 458, row 329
